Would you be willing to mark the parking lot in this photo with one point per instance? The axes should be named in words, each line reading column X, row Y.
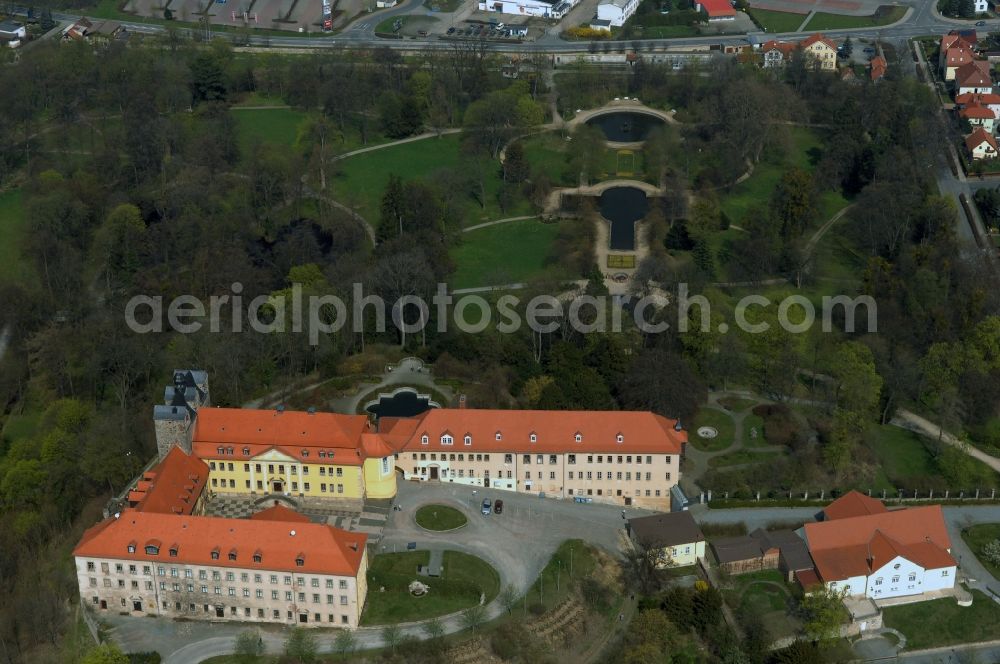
column 291, row 15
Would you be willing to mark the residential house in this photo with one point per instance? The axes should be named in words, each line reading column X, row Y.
column 982, row 6
column 978, row 116
column 78, row 31
column 716, row 10
column 989, row 100
column 762, row 549
column 956, row 49
column 973, row 77
column 821, row 51
column 675, row 538
column 600, row 24
column 616, row 12
column 981, row 144
column 883, row 554
column 877, row 68
column 542, row 8
column 851, row 504
column 777, row 53
column 12, row 33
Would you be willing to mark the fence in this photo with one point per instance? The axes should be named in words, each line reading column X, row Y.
column 784, row 498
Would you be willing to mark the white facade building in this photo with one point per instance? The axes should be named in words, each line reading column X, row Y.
column 616, row 11
column 519, row 7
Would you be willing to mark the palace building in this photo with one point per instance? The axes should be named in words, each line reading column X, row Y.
column 627, row 458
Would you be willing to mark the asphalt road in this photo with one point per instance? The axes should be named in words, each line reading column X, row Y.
column 922, row 19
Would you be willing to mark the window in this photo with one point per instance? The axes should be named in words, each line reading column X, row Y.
column 895, row 578
column 424, row 439
column 152, row 549
column 257, row 557
column 571, row 474
column 246, row 452
column 467, row 439
column 508, row 458
column 300, row 561
column 499, row 436
column 944, row 572
column 343, row 584
column 131, row 548
column 526, row 459
column 912, row 577
column 572, row 458
column 553, row 460
column 232, row 554
column 878, row 581
column 343, row 600
column 620, row 439
column 447, row 440
column 533, row 437
column 578, row 437
column 215, row 554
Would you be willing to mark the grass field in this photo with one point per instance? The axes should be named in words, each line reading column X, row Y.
column 13, row 225
column 773, row 21
column 942, row 622
column 742, row 456
column 750, row 422
column 363, row 178
column 546, row 153
column 977, row 537
column 503, row 254
column 723, row 423
column 440, row 517
column 902, row 454
column 825, row 21
column 766, row 594
column 463, row 579
column 572, row 561
column 669, row 31
column 280, row 126
column 836, row 257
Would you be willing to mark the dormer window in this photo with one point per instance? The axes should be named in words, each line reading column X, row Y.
column 131, row 547
column 499, row 436
column 173, row 551
column 578, row 437
column 215, row 553
column 300, row 560
column 446, row 439
column 329, row 454
column 153, row 549
column 533, row 437
column 322, row 454
column 620, row 439
column 468, row 439
column 221, row 450
column 229, row 451
column 424, row 439
column 305, row 453
column 232, row 554
column 258, row 556
column 246, row 451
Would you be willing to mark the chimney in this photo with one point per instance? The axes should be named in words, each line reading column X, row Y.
column 461, row 401
column 280, row 409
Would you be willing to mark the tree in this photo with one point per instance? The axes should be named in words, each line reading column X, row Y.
column 46, row 21
column 823, row 612
column 991, row 551
column 508, row 597
column 515, row 164
column 106, row 653
column 473, row 617
column 434, row 629
column 391, row 636
column 249, row 646
column 848, row 47
column 207, row 78
column 301, row 646
column 793, row 203
column 858, row 382
column 168, row 14
column 345, row 642
column 662, row 382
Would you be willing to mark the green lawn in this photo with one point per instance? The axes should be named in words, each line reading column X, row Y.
column 507, row 253
column 440, row 517
column 837, row 257
column 736, row 404
column 826, row 21
column 902, row 453
column 942, row 622
column 546, row 153
column 773, row 21
column 13, row 225
column 442, row 5
column 363, row 178
column 723, row 423
column 669, row 31
column 280, row 126
column 977, row 537
column 752, row 421
column 572, row 561
column 463, row 579
column 742, row 456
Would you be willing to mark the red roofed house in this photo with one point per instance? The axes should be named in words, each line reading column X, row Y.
column 717, row 10
column 174, row 486
column 978, row 116
column 626, row 458
column 853, row 504
column 777, row 53
column 973, row 77
column 989, row 100
column 210, row 568
column 877, row 68
column 821, row 50
column 981, row 144
column 956, row 49
column 863, row 550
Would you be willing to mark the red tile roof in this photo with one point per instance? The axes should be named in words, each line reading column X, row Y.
column 975, row 74
column 322, row 549
column 977, row 98
column 818, row 37
column 717, row 8
column 554, row 431
column 976, row 113
column 958, row 56
column 877, row 67
column 278, row 512
column 297, row 434
column 173, row 486
column 786, row 48
column 976, row 138
column 953, row 38
column 859, row 545
column 853, row 504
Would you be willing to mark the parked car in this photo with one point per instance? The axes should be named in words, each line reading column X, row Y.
column 487, row 507
column 980, row 24
column 498, row 507
column 451, row 30
column 869, row 50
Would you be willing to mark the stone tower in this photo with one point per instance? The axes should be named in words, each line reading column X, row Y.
column 174, row 420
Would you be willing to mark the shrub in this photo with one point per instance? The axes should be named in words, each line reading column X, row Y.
column 991, row 552
column 585, row 32
column 537, row 609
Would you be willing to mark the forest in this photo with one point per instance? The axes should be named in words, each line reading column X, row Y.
column 128, row 188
